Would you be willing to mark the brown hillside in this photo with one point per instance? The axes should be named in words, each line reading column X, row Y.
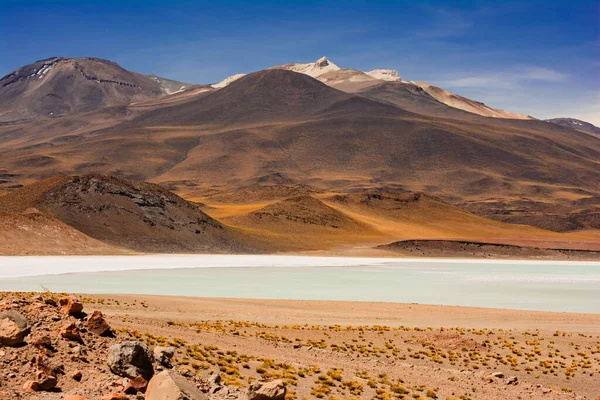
column 61, row 86
column 469, row 249
column 264, row 96
column 135, row 215
column 303, row 210
column 33, row 233
column 280, row 122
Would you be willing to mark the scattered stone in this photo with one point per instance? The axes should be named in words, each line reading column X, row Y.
column 131, row 359
column 71, row 332
column 43, row 341
column 163, row 355
column 273, row 390
column 137, row 384
column 77, row 375
column 50, row 301
column 13, row 328
column 215, row 379
column 71, row 305
column 172, row 386
column 45, row 381
column 31, row 386
column 512, row 380
column 97, row 324
column 115, row 396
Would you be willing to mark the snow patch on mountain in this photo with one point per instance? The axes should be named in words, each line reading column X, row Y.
column 314, row 69
column 390, row 75
column 227, row 81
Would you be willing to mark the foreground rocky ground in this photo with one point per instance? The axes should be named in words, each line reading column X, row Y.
column 122, row 347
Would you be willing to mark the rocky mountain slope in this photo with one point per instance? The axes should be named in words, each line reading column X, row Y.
column 352, row 81
column 131, row 215
column 61, row 86
column 576, row 124
column 278, row 122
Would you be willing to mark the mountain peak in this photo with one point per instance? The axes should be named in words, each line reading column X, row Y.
column 385, row 74
column 322, row 62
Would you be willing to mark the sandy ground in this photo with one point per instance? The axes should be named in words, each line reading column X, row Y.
column 371, row 350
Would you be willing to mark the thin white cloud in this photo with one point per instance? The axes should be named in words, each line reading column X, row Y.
column 505, row 80
column 444, row 23
column 543, row 74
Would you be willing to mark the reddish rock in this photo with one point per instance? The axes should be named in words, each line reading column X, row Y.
column 50, row 301
column 45, row 381
column 71, row 332
column 138, row 384
column 115, row 396
column 273, row 390
column 13, row 328
column 97, row 324
column 71, row 305
column 171, row 385
column 31, row 386
column 77, row 375
column 75, row 397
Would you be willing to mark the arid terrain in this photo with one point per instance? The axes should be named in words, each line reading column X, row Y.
column 329, row 350
column 98, row 214
column 301, row 128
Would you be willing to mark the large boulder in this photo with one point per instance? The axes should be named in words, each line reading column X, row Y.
column 272, row 390
column 13, row 328
column 163, row 355
column 131, row 359
column 97, row 324
column 45, row 380
column 71, row 305
column 71, row 332
column 169, row 385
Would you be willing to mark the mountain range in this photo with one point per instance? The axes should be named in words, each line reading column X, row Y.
column 296, row 129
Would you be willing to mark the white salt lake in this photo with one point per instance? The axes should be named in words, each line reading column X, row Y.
column 528, row 285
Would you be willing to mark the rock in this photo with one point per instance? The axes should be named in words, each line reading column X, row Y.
column 13, row 328
column 273, row 390
column 45, row 381
column 497, row 374
column 512, row 380
column 97, row 324
column 215, row 379
column 31, row 386
column 131, row 359
column 77, row 375
column 50, row 301
column 75, row 397
column 71, row 305
column 163, row 355
column 172, row 386
column 116, row 396
column 71, row 332
column 138, row 384
column 43, row 341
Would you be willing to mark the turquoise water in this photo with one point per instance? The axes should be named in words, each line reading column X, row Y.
column 547, row 286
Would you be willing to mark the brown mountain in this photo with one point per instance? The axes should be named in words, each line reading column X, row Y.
column 60, row 86
column 576, row 124
column 131, row 215
column 266, row 96
column 281, row 122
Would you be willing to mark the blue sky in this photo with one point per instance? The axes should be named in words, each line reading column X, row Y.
column 537, row 57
